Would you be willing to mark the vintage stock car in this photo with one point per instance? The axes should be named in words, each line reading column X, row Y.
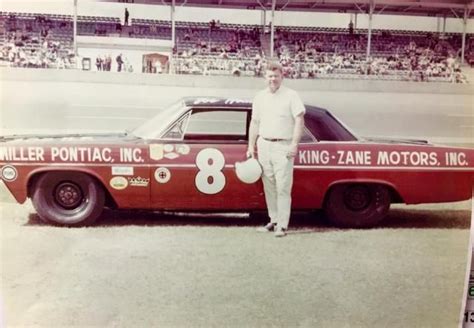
column 183, row 159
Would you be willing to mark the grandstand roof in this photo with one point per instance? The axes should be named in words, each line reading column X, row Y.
column 448, row 8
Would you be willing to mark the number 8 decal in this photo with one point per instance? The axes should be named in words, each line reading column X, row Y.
column 210, row 179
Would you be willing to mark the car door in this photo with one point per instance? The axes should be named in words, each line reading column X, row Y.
column 193, row 165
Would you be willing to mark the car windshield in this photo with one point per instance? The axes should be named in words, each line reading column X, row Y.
column 152, row 128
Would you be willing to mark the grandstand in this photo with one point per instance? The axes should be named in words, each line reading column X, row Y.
column 214, row 48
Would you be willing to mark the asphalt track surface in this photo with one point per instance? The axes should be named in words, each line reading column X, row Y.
column 147, row 269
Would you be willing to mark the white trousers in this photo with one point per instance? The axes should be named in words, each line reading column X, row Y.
column 277, row 179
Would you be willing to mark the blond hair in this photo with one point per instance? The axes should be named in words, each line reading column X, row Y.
column 274, row 66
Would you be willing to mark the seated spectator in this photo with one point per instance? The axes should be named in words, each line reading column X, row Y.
column 223, row 54
column 236, row 71
column 193, row 51
column 429, row 71
column 12, row 54
column 195, row 69
column 460, row 78
column 187, row 37
column 22, row 57
column 61, row 63
column 328, row 69
column 257, row 58
column 347, row 63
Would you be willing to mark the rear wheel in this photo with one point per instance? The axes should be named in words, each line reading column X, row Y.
column 70, row 199
column 357, row 205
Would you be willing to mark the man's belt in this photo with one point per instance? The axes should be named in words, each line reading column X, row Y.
column 274, row 139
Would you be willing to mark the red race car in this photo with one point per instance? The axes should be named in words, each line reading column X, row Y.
column 184, row 159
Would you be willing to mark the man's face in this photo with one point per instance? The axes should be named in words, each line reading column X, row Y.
column 274, row 79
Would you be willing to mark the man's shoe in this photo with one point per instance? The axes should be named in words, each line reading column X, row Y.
column 280, row 232
column 267, row 228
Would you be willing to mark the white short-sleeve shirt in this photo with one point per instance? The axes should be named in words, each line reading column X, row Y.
column 276, row 112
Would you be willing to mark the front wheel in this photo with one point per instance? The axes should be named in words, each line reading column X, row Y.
column 69, row 199
column 357, row 205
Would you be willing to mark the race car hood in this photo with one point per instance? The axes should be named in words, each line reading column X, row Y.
column 69, row 138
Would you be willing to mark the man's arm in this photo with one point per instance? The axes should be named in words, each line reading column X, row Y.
column 253, row 133
column 297, row 133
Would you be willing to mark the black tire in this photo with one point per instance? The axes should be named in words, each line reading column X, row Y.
column 68, row 199
column 357, row 205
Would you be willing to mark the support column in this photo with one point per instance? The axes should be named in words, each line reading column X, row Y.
column 355, row 21
column 463, row 40
column 74, row 24
column 272, row 28
column 173, row 38
column 444, row 24
column 369, row 36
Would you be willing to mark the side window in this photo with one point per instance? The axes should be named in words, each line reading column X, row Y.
column 217, row 125
column 176, row 132
column 307, row 137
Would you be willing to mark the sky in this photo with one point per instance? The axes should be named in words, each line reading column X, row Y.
column 183, row 13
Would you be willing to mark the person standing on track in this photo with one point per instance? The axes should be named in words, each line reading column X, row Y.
column 276, row 127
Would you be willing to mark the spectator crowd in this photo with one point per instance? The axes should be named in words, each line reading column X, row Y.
column 45, row 41
column 33, row 44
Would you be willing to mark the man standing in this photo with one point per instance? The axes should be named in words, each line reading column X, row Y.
column 127, row 15
column 119, row 62
column 277, row 121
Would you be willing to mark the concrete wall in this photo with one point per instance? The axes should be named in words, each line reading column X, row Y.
column 225, row 82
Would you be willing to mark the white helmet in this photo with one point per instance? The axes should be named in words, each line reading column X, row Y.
column 249, row 171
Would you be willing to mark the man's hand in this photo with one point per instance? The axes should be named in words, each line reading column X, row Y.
column 292, row 151
column 251, row 152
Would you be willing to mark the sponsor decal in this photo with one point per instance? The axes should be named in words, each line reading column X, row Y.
column 205, row 101
column 138, row 182
column 182, row 149
column 231, row 101
column 122, row 170
column 119, row 183
column 162, row 175
column 71, row 154
column 9, row 173
column 168, row 151
column 382, row 158
column 171, row 155
column 156, row 152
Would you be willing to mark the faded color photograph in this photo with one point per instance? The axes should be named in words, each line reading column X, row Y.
column 236, row 164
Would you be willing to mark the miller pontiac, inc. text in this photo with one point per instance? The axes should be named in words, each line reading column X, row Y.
column 71, row 154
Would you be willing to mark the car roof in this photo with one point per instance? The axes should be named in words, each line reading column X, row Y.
column 207, row 102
